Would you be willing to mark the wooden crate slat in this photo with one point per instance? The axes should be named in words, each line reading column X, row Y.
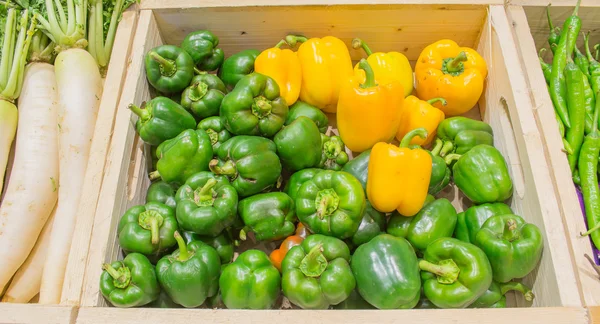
column 36, row 314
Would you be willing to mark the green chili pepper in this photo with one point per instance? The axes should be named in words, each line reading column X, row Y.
column 597, row 52
column 576, row 105
column 554, row 36
column 588, row 167
column 590, row 104
column 582, row 62
column 561, row 130
column 558, row 87
column 594, row 66
column 546, row 68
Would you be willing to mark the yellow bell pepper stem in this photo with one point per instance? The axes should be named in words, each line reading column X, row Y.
column 418, row 113
column 421, row 132
column 455, row 66
column 434, row 100
column 370, row 75
column 358, row 43
column 292, row 40
column 281, row 43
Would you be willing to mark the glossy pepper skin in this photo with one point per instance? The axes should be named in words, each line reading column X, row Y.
column 435, row 220
column 331, row 203
column 299, row 144
column 161, row 119
column 398, row 225
column 372, row 224
column 129, row 283
column 202, row 47
column 354, row 301
column 279, row 254
column 420, row 113
column 148, row 229
column 206, row 204
column 440, row 172
column 237, row 66
column 315, row 114
column 333, row 154
column 250, row 282
column 181, row 157
column 215, row 130
column 326, row 65
column 250, row 162
column 461, row 134
column 398, row 176
column 317, row 274
column 190, row 275
column 482, row 175
column 495, row 297
column 254, row 107
column 222, row 243
column 471, row 220
column 445, row 70
column 513, row 246
column 169, row 69
column 386, row 272
column 270, row 216
column 297, row 179
column 204, row 96
column 162, row 192
column 283, row 65
column 388, row 67
column 454, row 273
column 359, row 167
column 369, row 112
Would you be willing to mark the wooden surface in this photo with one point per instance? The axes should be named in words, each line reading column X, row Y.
column 36, row 314
column 166, row 4
column 564, row 188
column 594, row 314
column 555, row 3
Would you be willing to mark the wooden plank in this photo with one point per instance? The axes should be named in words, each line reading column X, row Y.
column 95, row 170
column 564, row 188
column 113, row 196
column 36, row 314
column 558, row 315
column 594, row 314
column 168, row 4
column 555, row 3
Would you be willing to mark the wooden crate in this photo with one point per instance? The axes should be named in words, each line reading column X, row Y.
column 406, row 27
column 530, row 29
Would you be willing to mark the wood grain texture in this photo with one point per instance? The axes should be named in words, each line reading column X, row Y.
column 36, row 314
column 167, row 4
column 565, row 190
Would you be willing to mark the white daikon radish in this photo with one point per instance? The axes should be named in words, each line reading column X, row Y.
column 8, row 128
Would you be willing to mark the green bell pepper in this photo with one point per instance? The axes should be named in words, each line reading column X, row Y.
column 169, row 69
column 250, row 282
column 299, row 145
column 301, row 108
column 164, row 301
column 495, row 297
column 181, row 157
column 162, row 192
column 440, row 172
column 215, row 130
column 297, row 179
column 359, row 167
column 333, row 154
column 190, row 274
column 129, row 283
column 471, row 220
column 461, row 134
column 316, row 273
column 482, row 174
column 386, row 272
column 254, row 107
column 237, row 66
column 454, row 273
column 398, row 225
column 202, row 47
column 161, row 119
column 435, row 220
column 206, row 204
column 513, row 246
column 270, row 216
column 371, row 225
column 222, row 243
column 148, row 229
column 331, row 203
column 354, row 301
column 204, row 96
column 250, row 162
column 425, row 303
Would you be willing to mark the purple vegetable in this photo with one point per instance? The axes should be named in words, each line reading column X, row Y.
column 594, row 249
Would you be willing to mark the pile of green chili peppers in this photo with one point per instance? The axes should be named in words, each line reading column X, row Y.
column 234, row 166
column 574, row 83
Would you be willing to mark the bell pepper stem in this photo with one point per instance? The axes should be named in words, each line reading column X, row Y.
column 184, row 254
column 151, row 220
column 141, row 112
column 517, row 286
column 511, row 232
column 261, row 107
column 167, row 67
column 447, row 148
column 358, row 43
column 154, row 231
column 327, row 202
column 451, row 158
column 314, row 263
column 434, row 100
column 455, row 65
column 446, row 270
column 292, row 40
column 198, row 71
column 332, row 148
column 197, row 91
column 594, row 265
column 203, row 196
column 228, row 168
column 281, row 42
column 421, row 132
column 154, row 175
column 214, row 136
column 369, row 74
column 244, row 233
column 120, row 277
column 437, row 147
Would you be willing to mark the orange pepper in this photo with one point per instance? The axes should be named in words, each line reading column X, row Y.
column 445, row 70
column 283, row 65
column 326, row 64
column 278, row 255
column 368, row 113
column 399, row 176
column 419, row 113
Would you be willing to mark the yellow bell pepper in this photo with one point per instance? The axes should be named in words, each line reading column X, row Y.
column 368, row 113
column 326, row 64
column 283, row 65
column 398, row 176
column 387, row 67
column 419, row 113
column 445, row 70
